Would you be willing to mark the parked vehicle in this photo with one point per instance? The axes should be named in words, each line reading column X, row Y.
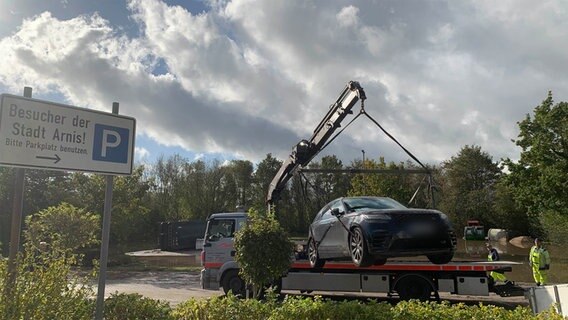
column 368, row 230
column 474, row 231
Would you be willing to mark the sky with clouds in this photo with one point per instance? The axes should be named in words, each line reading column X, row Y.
column 240, row 79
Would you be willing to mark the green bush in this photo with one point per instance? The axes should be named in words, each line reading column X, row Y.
column 224, row 308
column 45, row 287
column 305, row 308
column 300, row 308
column 72, row 227
column 133, row 306
column 264, row 251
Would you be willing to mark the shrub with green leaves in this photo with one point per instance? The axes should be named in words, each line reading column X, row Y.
column 45, row 288
column 71, row 227
column 224, row 308
column 263, row 250
column 133, row 306
column 302, row 308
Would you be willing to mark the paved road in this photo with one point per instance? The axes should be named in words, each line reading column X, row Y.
column 176, row 287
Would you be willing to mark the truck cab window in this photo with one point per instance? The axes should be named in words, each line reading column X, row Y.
column 220, row 228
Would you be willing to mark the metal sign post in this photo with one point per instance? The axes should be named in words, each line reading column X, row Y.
column 16, row 227
column 105, row 240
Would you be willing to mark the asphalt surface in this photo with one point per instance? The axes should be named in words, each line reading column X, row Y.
column 173, row 287
column 176, row 287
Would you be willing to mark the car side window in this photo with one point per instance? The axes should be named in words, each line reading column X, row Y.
column 335, row 204
column 326, row 214
column 339, row 205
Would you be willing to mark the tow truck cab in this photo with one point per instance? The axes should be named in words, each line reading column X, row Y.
column 218, row 255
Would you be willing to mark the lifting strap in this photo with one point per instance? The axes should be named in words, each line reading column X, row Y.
column 363, row 112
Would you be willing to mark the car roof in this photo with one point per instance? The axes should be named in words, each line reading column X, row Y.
column 363, row 197
column 232, row 215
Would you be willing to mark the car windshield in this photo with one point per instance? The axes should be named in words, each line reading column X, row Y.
column 360, row 204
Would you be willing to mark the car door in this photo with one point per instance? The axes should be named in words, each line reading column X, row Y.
column 337, row 234
column 219, row 240
column 320, row 230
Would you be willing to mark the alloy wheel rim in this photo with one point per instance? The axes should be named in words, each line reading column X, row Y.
column 313, row 253
column 356, row 246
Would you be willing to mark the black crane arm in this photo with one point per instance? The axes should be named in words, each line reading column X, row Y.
column 306, row 150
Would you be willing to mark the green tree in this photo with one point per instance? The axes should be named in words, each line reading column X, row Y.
column 507, row 212
column 169, row 181
column 263, row 175
column 468, row 186
column 539, row 180
column 237, row 182
column 71, row 227
column 131, row 220
column 263, row 251
column 398, row 184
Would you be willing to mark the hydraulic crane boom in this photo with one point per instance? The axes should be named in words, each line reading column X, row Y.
column 306, row 150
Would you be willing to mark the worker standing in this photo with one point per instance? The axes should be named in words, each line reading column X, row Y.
column 539, row 260
column 493, row 255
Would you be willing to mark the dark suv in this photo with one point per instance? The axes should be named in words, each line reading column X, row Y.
column 371, row 229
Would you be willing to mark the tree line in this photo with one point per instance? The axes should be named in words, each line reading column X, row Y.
column 528, row 196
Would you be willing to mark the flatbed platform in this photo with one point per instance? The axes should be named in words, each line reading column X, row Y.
column 483, row 266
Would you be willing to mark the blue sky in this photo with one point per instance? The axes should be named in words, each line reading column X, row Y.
column 240, row 79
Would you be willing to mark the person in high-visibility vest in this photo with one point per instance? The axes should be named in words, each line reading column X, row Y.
column 493, row 255
column 539, row 260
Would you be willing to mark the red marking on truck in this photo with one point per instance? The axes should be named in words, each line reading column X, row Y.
column 212, row 265
column 405, row 267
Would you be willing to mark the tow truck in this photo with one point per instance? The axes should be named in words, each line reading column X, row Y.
column 407, row 279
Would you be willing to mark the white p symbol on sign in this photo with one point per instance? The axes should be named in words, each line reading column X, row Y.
column 108, row 144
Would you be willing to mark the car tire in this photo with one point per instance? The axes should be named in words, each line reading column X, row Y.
column 233, row 282
column 358, row 248
column 313, row 255
column 441, row 258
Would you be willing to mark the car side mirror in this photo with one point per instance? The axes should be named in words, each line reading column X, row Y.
column 336, row 212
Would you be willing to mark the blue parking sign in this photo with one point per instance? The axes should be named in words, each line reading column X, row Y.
column 110, row 144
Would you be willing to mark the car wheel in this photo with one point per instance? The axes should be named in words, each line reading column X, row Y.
column 358, row 248
column 313, row 255
column 441, row 258
column 232, row 282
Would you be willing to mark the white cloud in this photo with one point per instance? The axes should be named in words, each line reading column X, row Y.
column 347, row 17
column 249, row 78
column 141, row 153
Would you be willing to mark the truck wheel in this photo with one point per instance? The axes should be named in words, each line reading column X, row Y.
column 441, row 258
column 232, row 282
column 358, row 247
column 414, row 286
column 313, row 255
